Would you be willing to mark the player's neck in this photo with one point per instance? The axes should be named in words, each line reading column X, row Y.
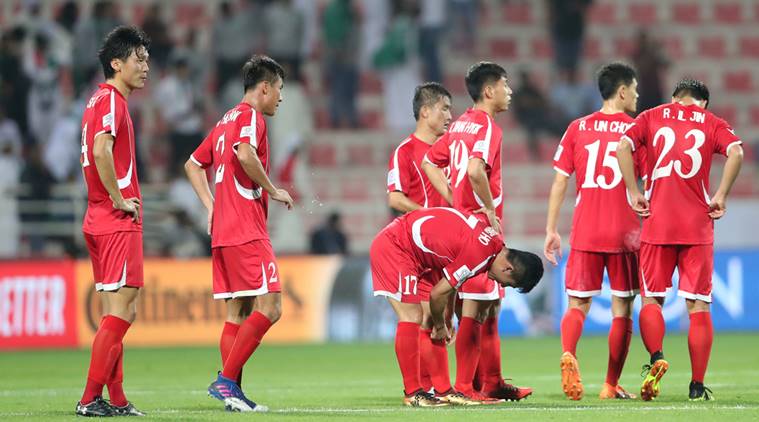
column 487, row 108
column 120, row 86
column 424, row 134
column 687, row 101
column 251, row 99
column 611, row 107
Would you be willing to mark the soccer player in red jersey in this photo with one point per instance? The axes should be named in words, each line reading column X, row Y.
column 245, row 272
column 450, row 243
column 409, row 189
column 472, row 150
column 605, row 231
column 113, row 222
column 678, row 219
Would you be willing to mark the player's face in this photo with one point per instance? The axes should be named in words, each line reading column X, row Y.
column 134, row 71
column 502, row 94
column 630, row 93
column 502, row 271
column 439, row 116
column 272, row 97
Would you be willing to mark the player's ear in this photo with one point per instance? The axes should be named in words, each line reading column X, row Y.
column 116, row 65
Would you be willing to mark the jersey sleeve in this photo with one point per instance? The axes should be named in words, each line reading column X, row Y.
column 108, row 114
column 203, row 154
column 252, row 127
column 563, row 159
column 486, row 144
column 399, row 172
column 440, row 154
column 473, row 260
column 724, row 137
column 639, row 159
column 636, row 134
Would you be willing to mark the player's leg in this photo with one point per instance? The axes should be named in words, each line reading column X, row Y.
column 252, row 272
column 434, row 354
column 623, row 278
column 696, row 266
column 492, row 383
column 395, row 276
column 468, row 346
column 657, row 264
column 238, row 310
column 583, row 279
column 426, row 366
column 117, row 266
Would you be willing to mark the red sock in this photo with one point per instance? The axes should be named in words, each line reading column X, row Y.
column 247, row 340
column 467, row 353
column 490, row 356
column 228, row 335
column 425, row 359
column 115, row 388
column 619, row 343
column 105, row 353
column 700, row 338
column 435, row 357
column 571, row 329
column 652, row 327
column 407, row 352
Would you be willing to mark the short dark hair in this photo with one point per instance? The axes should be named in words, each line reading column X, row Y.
column 691, row 87
column 481, row 74
column 428, row 94
column 528, row 269
column 261, row 68
column 612, row 76
column 120, row 44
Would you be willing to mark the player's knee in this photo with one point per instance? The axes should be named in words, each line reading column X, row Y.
column 272, row 311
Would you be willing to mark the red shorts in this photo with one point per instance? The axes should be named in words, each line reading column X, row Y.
column 585, row 273
column 427, row 281
column 116, row 260
column 480, row 287
column 695, row 264
column 395, row 274
column 249, row 269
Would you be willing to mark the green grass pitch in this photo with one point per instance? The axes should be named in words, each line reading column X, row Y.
column 362, row 382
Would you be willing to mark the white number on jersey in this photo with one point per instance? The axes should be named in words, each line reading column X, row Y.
column 409, row 279
column 665, row 170
column 85, row 159
column 220, row 170
column 609, row 161
column 459, row 160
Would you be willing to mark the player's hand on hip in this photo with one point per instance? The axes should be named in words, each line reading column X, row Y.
column 130, row 206
column 552, row 248
column 440, row 334
column 281, row 195
column 494, row 221
column 717, row 207
column 640, row 204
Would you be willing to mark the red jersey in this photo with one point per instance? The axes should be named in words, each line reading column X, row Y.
column 405, row 173
column 603, row 219
column 107, row 112
column 240, row 206
column 444, row 239
column 680, row 141
column 473, row 135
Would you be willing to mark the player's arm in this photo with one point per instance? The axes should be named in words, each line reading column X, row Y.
column 627, row 166
column 252, row 166
column 398, row 201
column 439, row 298
column 478, row 177
column 717, row 206
column 199, row 181
column 102, row 152
column 552, row 244
column 437, row 178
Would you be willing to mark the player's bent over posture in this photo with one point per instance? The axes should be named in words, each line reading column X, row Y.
column 678, row 219
column 449, row 243
column 113, row 222
column 605, row 231
column 245, row 272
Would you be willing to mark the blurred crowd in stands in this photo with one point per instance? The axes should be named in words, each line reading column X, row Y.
column 49, row 67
